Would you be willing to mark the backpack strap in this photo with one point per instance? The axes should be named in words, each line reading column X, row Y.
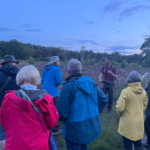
column 112, row 68
column 9, row 78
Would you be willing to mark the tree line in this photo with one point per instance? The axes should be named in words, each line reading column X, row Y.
column 23, row 51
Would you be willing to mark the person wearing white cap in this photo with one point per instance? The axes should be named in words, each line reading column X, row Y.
column 51, row 79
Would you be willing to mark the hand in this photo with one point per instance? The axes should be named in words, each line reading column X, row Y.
column 100, row 80
column 110, row 72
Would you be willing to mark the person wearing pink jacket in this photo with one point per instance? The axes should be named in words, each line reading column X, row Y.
column 17, row 116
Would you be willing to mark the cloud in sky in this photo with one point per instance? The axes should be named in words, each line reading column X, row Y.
column 130, row 11
column 113, row 6
column 31, row 28
column 90, row 22
column 148, row 35
column 4, row 29
column 121, row 47
column 70, row 41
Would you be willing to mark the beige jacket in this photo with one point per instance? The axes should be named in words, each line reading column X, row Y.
column 130, row 106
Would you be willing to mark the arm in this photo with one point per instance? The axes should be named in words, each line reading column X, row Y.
column 42, row 78
column 64, row 103
column 50, row 112
column 101, row 77
column 114, row 72
column 121, row 103
column 145, row 103
column 58, row 76
column 102, row 100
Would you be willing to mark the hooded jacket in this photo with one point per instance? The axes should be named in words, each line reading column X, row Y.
column 51, row 79
column 22, row 127
column 78, row 109
column 130, row 106
column 5, row 72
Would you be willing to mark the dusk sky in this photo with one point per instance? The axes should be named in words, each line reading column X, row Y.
column 101, row 26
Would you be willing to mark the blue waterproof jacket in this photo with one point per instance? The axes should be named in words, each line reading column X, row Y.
column 78, row 107
column 147, row 111
column 51, row 79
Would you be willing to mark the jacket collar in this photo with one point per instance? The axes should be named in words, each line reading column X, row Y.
column 75, row 77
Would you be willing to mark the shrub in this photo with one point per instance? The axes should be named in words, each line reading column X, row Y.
column 138, row 68
column 101, row 63
column 123, row 64
column 31, row 60
column 89, row 61
column 146, row 62
column 115, row 63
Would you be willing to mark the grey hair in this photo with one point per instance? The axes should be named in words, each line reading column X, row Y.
column 74, row 66
column 146, row 78
column 134, row 77
column 28, row 74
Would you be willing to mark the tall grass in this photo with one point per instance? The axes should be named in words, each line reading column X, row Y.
column 109, row 139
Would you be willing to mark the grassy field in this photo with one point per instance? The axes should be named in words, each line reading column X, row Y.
column 109, row 139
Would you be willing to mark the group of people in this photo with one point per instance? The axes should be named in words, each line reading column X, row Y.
column 28, row 116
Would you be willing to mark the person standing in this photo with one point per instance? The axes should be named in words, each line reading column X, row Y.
column 51, row 79
column 146, row 79
column 130, row 107
column 78, row 107
column 8, row 73
column 108, row 76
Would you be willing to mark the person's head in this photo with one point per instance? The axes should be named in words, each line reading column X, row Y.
column 108, row 60
column 9, row 60
column 146, row 78
column 74, row 67
column 28, row 75
column 54, row 60
column 133, row 77
column 57, row 63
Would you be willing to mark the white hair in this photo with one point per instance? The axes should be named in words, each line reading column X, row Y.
column 146, row 78
column 74, row 66
column 134, row 77
column 28, row 74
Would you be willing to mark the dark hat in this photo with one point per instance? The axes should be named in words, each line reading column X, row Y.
column 9, row 59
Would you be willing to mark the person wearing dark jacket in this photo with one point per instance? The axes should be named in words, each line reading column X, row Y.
column 146, row 79
column 78, row 107
column 8, row 73
column 51, row 79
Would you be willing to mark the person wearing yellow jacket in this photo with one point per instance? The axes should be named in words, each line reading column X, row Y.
column 130, row 106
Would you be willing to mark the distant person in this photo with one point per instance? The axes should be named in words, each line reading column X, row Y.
column 51, row 79
column 79, row 106
column 22, row 126
column 130, row 106
column 146, row 79
column 8, row 73
column 107, row 76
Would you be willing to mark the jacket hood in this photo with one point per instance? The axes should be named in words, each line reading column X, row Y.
column 33, row 94
column 85, row 84
column 9, row 69
column 48, row 67
column 136, row 87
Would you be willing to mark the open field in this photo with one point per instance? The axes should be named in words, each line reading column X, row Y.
column 109, row 139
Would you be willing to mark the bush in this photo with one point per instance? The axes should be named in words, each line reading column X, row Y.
column 146, row 62
column 31, row 60
column 138, row 68
column 115, row 63
column 123, row 64
column 89, row 61
column 101, row 63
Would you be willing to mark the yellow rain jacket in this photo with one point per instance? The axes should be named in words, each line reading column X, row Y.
column 130, row 106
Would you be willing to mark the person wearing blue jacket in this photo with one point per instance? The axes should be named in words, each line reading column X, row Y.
column 51, row 79
column 79, row 106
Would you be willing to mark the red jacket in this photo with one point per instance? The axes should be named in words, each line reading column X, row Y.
column 22, row 127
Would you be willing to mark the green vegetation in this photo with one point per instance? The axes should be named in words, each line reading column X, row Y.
column 23, row 51
column 31, row 60
column 109, row 139
column 123, row 64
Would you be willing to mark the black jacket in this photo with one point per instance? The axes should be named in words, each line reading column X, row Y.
column 5, row 72
column 147, row 111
